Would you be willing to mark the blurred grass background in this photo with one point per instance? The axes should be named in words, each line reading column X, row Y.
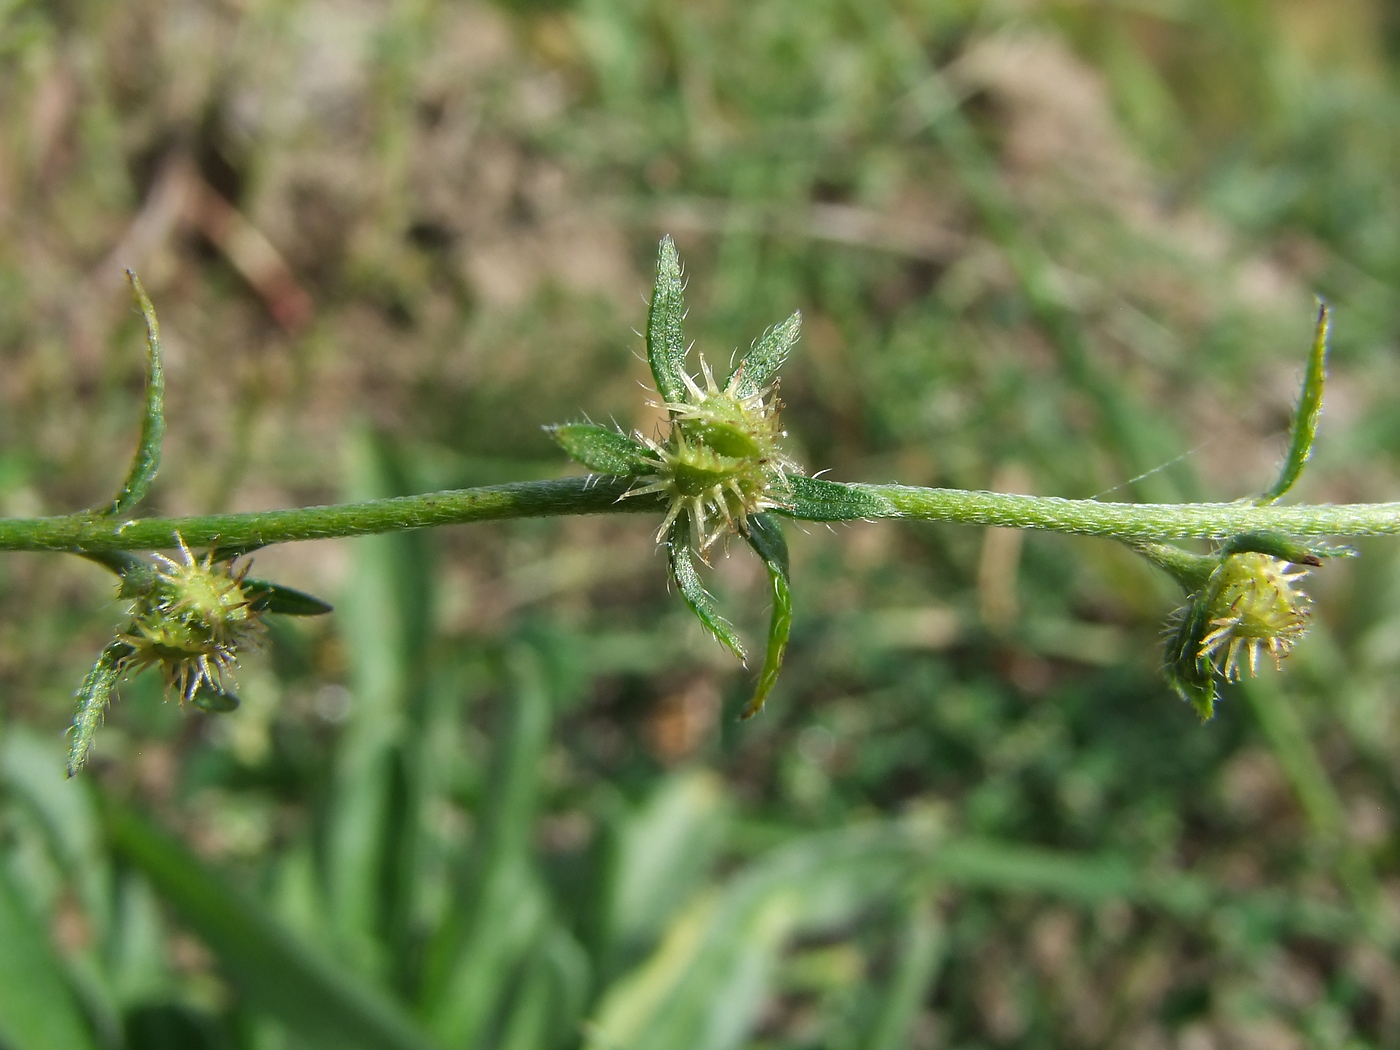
column 500, row 799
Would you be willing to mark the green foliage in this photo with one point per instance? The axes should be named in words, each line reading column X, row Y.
column 972, row 816
column 146, row 463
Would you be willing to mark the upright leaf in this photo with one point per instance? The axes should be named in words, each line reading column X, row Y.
column 500, row 906
column 1309, row 409
column 767, row 355
column 765, row 535
column 146, row 462
column 313, row 994
column 922, row 949
column 38, row 1010
column 665, row 325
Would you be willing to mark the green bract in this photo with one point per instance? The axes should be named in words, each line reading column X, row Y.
column 718, row 467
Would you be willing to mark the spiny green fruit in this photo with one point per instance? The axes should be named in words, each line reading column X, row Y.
column 1254, row 605
column 1249, row 603
column 721, row 461
column 191, row 618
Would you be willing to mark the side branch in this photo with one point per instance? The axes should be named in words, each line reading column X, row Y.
column 1132, row 521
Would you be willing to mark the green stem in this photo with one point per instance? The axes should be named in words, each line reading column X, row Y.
column 1135, row 521
column 594, row 495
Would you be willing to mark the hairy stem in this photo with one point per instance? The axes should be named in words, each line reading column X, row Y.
column 595, row 495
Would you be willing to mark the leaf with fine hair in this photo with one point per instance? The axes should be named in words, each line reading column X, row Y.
column 93, row 697
column 665, row 331
column 1309, row 410
column 765, row 536
column 146, row 463
column 602, row 449
column 814, row 499
column 767, row 355
column 696, row 597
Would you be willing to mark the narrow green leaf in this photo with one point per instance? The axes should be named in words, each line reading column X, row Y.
column 696, row 597
column 922, row 949
column 1309, row 409
column 311, row 993
column 38, row 1010
column 813, row 499
column 286, row 601
column 665, row 325
column 382, row 620
column 501, row 908
column 767, row 355
column 765, row 535
column 1290, row 738
column 602, row 449
column 146, row 463
column 93, row 696
column 660, row 853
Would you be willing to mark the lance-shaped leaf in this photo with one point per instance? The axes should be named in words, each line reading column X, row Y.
column 696, row 597
column 665, row 325
column 765, row 536
column 1187, row 670
column 1309, row 409
column 146, row 462
column 812, row 499
column 766, row 356
column 93, row 696
column 287, row 601
column 602, row 449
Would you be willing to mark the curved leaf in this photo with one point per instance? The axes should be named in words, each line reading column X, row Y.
column 765, row 535
column 146, row 462
column 696, row 597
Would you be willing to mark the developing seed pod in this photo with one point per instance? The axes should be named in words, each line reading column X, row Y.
column 191, row 618
column 1253, row 606
column 721, row 462
column 1249, row 604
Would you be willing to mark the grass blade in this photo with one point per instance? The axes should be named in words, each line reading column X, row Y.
column 38, row 1010
column 324, row 1003
column 1309, row 410
column 478, row 952
column 921, row 951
